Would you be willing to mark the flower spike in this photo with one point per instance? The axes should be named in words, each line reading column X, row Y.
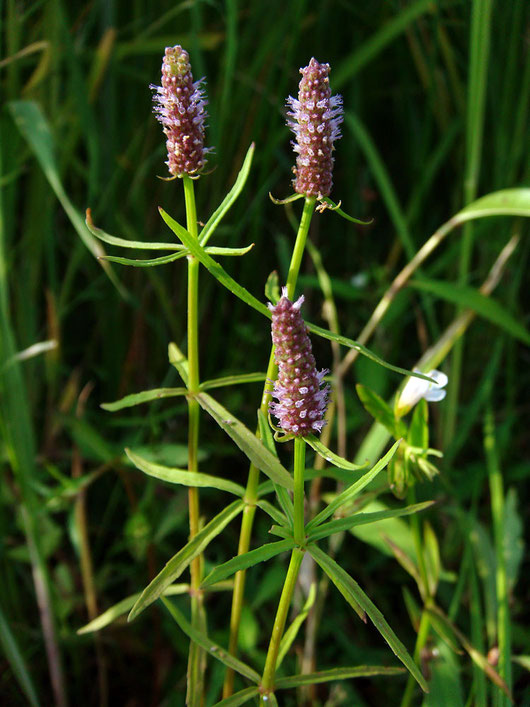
column 301, row 401
column 180, row 106
column 315, row 119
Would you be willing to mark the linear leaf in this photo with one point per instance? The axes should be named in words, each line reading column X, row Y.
column 213, row 266
column 214, row 649
column 233, row 380
column 239, row 698
column 178, row 361
column 354, row 595
column 221, row 250
column 274, row 512
column 350, row 343
column 183, row 476
column 145, row 396
column 471, row 298
column 378, row 409
column 122, row 607
column 229, row 199
column 125, row 242
column 359, row 671
column 341, row 524
column 247, row 559
column 249, row 444
column 352, row 491
column 336, row 208
column 330, row 456
column 147, row 262
column 178, row 563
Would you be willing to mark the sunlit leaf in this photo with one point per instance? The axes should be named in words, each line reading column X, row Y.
column 330, row 456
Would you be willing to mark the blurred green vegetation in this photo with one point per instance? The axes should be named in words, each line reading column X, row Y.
column 429, row 107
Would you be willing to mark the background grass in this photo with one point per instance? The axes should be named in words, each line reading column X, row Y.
column 411, row 74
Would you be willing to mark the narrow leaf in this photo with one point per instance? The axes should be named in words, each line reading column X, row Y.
column 330, row 456
column 213, row 266
column 359, row 671
column 354, row 595
column 145, row 263
column 246, row 560
column 239, row 698
column 230, row 198
column 352, row 491
column 213, row 649
column 145, row 396
column 274, row 512
column 336, row 208
column 233, row 380
column 13, row 655
column 219, row 250
column 342, row 524
column 183, row 476
column 470, row 298
column 350, row 343
column 122, row 607
column 178, row 563
column 249, row 444
column 178, row 361
column 124, row 242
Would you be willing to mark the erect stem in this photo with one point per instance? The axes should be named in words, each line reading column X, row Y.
column 253, row 473
column 267, row 681
column 197, row 657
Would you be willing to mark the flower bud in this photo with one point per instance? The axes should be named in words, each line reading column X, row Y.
column 316, row 117
column 301, row 402
column 180, row 107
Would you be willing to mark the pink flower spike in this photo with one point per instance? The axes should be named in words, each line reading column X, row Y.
column 315, row 119
column 180, row 106
column 301, row 402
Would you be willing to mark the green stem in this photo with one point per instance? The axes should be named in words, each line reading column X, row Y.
column 267, row 681
column 497, row 511
column 251, row 492
column 299, row 468
column 197, row 657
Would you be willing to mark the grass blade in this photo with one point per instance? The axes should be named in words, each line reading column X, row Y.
column 330, row 456
column 16, row 661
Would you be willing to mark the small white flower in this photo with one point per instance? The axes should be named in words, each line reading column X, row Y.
column 416, row 388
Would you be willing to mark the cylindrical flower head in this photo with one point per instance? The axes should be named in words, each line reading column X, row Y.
column 301, row 401
column 180, row 106
column 316, row 117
